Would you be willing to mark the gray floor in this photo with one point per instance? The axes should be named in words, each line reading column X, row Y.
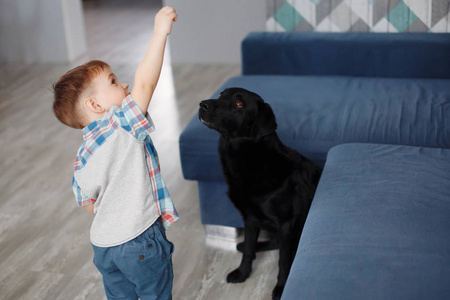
column 44, row 238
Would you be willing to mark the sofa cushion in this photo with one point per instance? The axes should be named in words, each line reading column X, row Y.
column 215, row 206
column 315, row 113
column 378, row 227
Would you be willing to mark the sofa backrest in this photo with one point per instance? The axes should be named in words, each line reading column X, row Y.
column 396, row 55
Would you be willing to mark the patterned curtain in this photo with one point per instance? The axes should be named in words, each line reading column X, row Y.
column 359, row 15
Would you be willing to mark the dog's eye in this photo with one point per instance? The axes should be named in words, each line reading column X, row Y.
column 239, row 104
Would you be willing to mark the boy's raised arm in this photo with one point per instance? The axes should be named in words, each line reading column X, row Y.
column 148, row 71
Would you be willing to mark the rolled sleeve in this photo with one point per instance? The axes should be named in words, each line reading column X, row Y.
column 81, row 198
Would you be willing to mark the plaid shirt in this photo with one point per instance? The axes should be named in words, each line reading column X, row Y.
column 130, row 118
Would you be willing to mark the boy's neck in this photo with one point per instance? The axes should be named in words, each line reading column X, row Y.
column 92, row 117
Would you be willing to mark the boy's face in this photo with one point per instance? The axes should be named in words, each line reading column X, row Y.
column 109, row 91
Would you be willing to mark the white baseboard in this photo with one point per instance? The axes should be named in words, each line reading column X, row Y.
column 223, row 237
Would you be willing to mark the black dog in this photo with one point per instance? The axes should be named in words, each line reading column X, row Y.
column 270, row 184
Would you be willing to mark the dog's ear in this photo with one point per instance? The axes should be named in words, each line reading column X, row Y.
column 264, row 122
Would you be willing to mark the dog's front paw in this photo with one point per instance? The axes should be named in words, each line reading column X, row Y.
column 277, row 291
column 237, row 276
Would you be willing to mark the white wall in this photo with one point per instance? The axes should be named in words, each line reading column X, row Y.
column 211, row 31
column 41, row 31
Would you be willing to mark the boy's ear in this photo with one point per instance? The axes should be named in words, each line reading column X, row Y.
column 92, row 105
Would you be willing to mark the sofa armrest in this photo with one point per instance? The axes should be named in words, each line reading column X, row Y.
column 408, row 55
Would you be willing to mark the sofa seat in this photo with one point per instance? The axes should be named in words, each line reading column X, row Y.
column 378, row 227
column 316, row 113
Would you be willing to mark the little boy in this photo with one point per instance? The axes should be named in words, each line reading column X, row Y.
column 117, row 175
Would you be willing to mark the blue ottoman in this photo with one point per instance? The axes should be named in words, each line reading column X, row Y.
column 378, row 227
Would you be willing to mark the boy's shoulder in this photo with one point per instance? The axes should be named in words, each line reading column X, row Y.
column 132, row 119
column 128, row 117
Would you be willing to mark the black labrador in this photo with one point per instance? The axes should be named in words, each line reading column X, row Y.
column 270, row 184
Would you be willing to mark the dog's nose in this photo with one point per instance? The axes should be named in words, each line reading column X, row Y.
column 204, row 106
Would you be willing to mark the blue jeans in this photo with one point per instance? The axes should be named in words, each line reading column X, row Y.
column 139, row 268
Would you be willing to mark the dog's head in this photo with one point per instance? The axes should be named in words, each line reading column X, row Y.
column 238, row 113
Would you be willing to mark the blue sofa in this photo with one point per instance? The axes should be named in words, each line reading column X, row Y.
column 374, row 111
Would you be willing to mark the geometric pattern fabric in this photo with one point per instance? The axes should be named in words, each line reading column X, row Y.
column 358, row 15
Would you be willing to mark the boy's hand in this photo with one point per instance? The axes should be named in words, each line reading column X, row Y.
column 164, row 19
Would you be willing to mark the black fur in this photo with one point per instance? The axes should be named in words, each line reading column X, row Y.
column 270, row 184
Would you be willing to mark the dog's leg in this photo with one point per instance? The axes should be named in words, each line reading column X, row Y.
column 248, row 255
column 287, row 254
column 261, row 246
